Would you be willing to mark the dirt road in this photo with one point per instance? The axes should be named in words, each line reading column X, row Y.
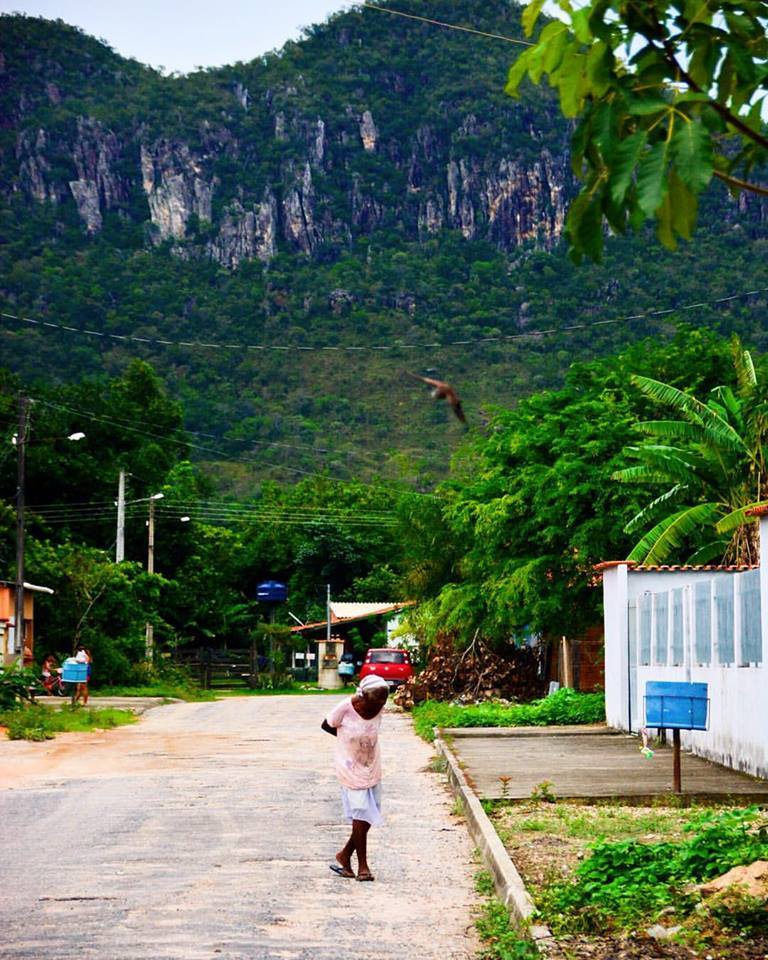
column 205, row 831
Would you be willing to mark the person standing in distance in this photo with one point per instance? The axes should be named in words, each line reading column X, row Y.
column 355, row 723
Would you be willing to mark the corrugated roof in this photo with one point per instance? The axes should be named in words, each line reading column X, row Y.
column 346, row 612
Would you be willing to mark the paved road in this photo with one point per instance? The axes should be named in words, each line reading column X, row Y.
column 205, row 831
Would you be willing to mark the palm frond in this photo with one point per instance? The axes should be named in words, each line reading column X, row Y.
column 690, row 407
column 736, row 518
column 648, row 512
column 709, row 552
column 745, row 368
column 639, row 474
column 671, row 533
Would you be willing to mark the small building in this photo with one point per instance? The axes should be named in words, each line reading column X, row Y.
column 701, row 624
column 8, row 617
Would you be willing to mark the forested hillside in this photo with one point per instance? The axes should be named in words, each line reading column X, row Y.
column 283, row 239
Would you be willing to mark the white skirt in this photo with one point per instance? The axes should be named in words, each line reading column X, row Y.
column 363, row 804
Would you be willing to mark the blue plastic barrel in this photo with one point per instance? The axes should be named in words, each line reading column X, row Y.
column 74, row 672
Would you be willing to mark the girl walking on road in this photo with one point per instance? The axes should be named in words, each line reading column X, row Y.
column 355, row 723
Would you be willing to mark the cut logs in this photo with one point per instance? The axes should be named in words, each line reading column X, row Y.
column 475, row 673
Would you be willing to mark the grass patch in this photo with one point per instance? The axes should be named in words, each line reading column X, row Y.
column 41, row 723
column 502, row 939
column 564, row 708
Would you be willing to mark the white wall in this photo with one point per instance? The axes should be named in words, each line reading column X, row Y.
column 738, row 721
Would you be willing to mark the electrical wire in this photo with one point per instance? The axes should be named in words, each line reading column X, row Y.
column 394, row 345
column 448, row 26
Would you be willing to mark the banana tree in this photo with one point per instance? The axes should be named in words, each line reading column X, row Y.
column 711, row 464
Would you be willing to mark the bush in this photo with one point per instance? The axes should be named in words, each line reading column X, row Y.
column 566, row 708
column 17, row 684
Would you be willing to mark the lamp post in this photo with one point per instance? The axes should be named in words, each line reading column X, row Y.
column 20, row 440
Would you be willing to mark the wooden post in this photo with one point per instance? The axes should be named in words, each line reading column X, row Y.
column 676, row 778
column 567, row 662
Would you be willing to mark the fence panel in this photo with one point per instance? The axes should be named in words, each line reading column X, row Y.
column 724, row 619
column 678, row 644
column 702, row 601
column 645, row 606
column 751, row 629
column 661, row 603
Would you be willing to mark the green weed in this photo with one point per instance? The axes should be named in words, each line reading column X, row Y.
column 627, row 882
column 502, row 938
column 43, row 723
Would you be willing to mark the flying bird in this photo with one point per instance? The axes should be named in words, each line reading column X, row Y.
column 443, row 391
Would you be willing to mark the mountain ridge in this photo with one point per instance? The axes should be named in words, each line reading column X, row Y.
column 369, row 263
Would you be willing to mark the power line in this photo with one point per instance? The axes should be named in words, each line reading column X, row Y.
column 393, row 345
column 448, row 26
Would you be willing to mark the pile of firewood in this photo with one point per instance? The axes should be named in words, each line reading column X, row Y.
column 474, row 674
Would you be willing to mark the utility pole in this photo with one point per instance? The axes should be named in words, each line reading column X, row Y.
column 150, row 569
column 21, row 447
column 120, row 543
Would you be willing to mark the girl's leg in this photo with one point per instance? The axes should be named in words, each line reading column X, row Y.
column 360, row 830
column 344, row 856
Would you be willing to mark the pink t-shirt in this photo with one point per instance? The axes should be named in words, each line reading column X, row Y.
column 358, row 758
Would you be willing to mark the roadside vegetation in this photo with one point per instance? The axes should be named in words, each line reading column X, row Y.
column 37, row 722
column 501, row 937
column 605, row 873
column 563, row 708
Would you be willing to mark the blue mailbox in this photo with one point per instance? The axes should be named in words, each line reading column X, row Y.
column 272, row 591
column 676, row 706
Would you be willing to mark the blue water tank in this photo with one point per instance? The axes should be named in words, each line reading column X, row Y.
column 272, row 591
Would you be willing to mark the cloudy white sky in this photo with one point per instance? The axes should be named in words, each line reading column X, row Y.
column 183, row 34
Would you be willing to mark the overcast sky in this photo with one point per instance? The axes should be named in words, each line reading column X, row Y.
column 183, row 34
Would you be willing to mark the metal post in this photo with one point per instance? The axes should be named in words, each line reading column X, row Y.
column 120, row 543
column 150, row 637
column 676, row 774
column 327, row 613
column 21, row 445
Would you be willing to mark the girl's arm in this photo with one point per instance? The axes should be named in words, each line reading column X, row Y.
column 328, row 728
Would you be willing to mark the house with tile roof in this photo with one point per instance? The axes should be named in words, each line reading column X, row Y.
column 695, row 624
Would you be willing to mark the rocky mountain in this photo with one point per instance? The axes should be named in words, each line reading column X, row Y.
column 235, row 164
column 368, row 188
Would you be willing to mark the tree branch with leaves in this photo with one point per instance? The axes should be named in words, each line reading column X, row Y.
column 666, row 95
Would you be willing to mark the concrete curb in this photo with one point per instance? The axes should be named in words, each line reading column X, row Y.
column 508, row 883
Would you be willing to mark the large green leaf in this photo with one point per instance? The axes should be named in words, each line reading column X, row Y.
column 531, row 15
column 625, row 158
column 652, row 178
column 692, row 155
